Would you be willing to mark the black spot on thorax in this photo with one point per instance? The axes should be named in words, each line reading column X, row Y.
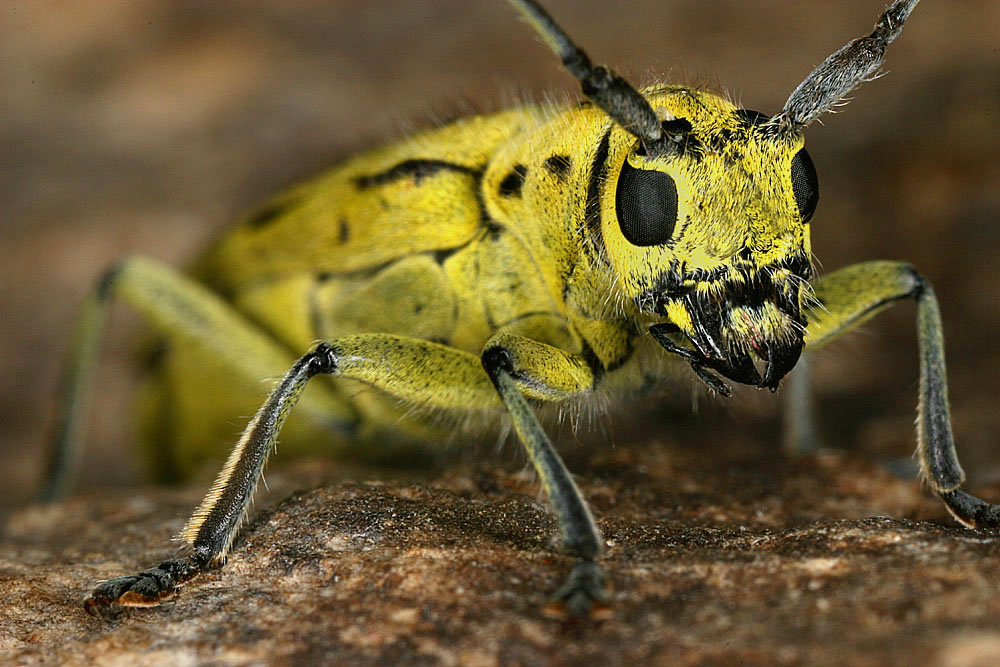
column 512, row 183
column 559, row 165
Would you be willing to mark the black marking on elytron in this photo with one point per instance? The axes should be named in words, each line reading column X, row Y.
column 417, row 169
column 512, row 183
column 343, row 230
column 559, row 165
column 592, row 212
column 439, row 340
column 441, row 255
column 493, row 230
column 270, row 212
column 362, row 273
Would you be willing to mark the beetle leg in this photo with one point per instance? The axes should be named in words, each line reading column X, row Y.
column 181, row 310
column 418, row 371
column 212, row 528
column 855, row 293
column 801, row 433
column 437, row 375
column 519, row 366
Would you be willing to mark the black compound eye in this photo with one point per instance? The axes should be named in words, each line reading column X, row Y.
column 646, row 202
column 805, row 185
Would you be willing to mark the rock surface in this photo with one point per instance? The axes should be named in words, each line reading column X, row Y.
column 710, row 561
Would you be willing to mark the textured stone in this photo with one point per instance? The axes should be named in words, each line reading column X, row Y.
column 710, row 561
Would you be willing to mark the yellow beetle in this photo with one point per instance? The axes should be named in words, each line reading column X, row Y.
column 538, row 255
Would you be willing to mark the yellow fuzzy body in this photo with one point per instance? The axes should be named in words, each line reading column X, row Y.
column 423, row 238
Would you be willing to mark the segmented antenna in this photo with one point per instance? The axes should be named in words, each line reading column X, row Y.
column 616, row 96
column 843, row 71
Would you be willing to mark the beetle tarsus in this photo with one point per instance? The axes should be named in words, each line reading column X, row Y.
column 583, row 595
column 971, row 511
column 148, row 588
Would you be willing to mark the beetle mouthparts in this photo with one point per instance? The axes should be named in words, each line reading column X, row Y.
column 736, row 365
column 727, row 333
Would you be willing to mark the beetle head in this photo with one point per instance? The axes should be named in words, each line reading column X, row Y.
column 710, row 233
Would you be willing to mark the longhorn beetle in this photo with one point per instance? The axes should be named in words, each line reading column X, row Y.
column 533, row 256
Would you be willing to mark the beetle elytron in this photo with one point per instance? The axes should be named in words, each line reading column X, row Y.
column 537, row 255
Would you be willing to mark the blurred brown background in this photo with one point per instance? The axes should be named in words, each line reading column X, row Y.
column 133, row 126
